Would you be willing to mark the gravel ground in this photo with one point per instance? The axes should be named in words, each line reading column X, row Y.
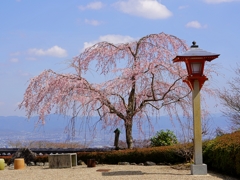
column 111, row 172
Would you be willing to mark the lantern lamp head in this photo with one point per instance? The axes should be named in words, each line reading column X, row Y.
column 195, row 59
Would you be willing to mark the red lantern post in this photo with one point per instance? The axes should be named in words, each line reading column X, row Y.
column 195, row 59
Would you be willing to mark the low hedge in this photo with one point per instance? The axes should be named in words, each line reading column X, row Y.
column 43, row 158
column 223, row 154
column 164, row 154
column 6, row 158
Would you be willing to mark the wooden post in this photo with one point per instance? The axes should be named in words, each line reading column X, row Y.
column 116, row 140
column 198, row 168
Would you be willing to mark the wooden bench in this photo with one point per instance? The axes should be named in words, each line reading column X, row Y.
column 67, row 160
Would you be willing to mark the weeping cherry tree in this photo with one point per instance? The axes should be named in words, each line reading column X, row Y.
column 141, row 80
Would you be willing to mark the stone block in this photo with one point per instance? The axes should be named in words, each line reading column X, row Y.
column 199, row 169
column 67, row 160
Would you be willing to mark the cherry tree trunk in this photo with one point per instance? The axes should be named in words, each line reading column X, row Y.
column 128, row 128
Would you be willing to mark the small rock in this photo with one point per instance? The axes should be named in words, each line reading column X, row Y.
column 46, row 164
column 31, row 164
column 123, row 163
column 141, row 164
column 149, row 163
column 39, row 164
column 133, row 164
column 80, row 162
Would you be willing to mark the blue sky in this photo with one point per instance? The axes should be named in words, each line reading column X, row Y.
column 45, row 34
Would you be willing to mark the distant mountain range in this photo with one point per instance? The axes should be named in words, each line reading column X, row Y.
column 15, row 127
column 17, row 123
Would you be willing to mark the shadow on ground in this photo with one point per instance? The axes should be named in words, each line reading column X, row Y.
column 129, row 173
column 122, row 173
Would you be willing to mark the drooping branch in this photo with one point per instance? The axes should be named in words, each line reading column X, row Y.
column 139, row 78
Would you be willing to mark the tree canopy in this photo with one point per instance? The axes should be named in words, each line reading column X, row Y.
column 141, row 79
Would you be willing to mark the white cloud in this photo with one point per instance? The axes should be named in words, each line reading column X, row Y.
column 14, row 60
column 115, row 39
column 219, row 1
column 55, row 51
column 195, row 24
column 31, row 58
column 94, row 5
column 150, row 9
column 15, row 54
column 92, row 22
column 183, row 7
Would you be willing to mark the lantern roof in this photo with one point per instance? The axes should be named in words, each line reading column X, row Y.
column 195, row 52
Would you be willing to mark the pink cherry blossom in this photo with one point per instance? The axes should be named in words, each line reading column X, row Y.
column 143, row 81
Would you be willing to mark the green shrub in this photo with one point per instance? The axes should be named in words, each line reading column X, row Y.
column 164, row 138
column 223, row 154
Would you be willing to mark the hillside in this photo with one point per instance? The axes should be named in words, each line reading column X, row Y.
column 20, row 128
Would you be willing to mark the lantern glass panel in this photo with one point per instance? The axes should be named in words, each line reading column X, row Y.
column 196, row 68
